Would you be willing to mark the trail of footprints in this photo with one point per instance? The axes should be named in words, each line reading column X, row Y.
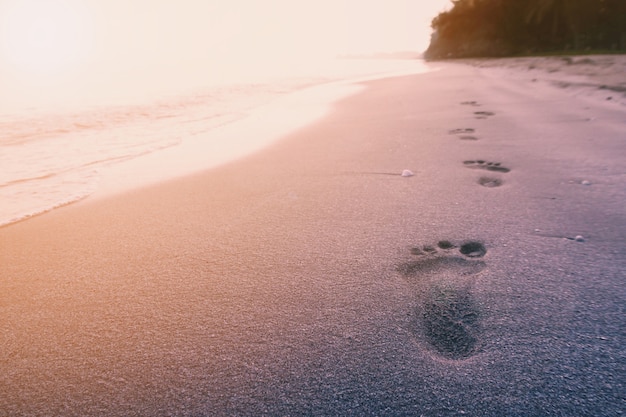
column 479, row 114
column 466, row 133
column 448, row 318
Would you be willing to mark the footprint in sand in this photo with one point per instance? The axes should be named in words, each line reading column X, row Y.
column 489, row 166
column 461, row 131
column 483, row 114
column 448, row 315
column 470, row 103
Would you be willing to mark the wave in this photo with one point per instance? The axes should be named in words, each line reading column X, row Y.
column 51, row 159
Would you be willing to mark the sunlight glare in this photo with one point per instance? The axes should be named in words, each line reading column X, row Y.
column 43, row 37
column 59, row 52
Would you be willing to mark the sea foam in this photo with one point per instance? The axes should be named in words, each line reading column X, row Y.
column 50, row 157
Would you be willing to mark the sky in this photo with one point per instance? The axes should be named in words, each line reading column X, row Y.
column 47, row 44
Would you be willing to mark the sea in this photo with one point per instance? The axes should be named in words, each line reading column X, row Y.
column 51, row 156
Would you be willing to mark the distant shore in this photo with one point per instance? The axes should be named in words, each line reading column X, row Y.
column 313, row 278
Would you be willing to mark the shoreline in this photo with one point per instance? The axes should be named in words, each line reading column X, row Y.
column 264, row 126
column 300, row 281
column 220, row 143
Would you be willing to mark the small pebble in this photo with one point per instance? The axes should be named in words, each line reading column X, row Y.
column 407, row 173
column 579, row 238
column 585, row 182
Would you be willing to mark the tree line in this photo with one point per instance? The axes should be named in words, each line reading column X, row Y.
column 490, row 28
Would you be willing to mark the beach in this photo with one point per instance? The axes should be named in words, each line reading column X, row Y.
column 54, row 155
column 312, row 278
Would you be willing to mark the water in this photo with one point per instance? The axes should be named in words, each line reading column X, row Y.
column 53, row 157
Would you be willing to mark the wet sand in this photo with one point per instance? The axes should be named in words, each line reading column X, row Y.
column 312, row 278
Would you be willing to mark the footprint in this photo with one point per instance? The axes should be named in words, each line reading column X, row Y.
column 484, row 113
column 489, row 166
column 490, row 182
column 468, row 138
column 447, row 315
column 470, row 103
column 461, row 131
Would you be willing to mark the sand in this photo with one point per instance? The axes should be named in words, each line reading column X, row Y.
column 312, row 278
column 599, row 76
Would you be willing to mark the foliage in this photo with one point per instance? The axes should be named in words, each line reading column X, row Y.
column 474, row 28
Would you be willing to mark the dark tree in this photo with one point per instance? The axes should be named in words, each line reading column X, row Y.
column 509, row 27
